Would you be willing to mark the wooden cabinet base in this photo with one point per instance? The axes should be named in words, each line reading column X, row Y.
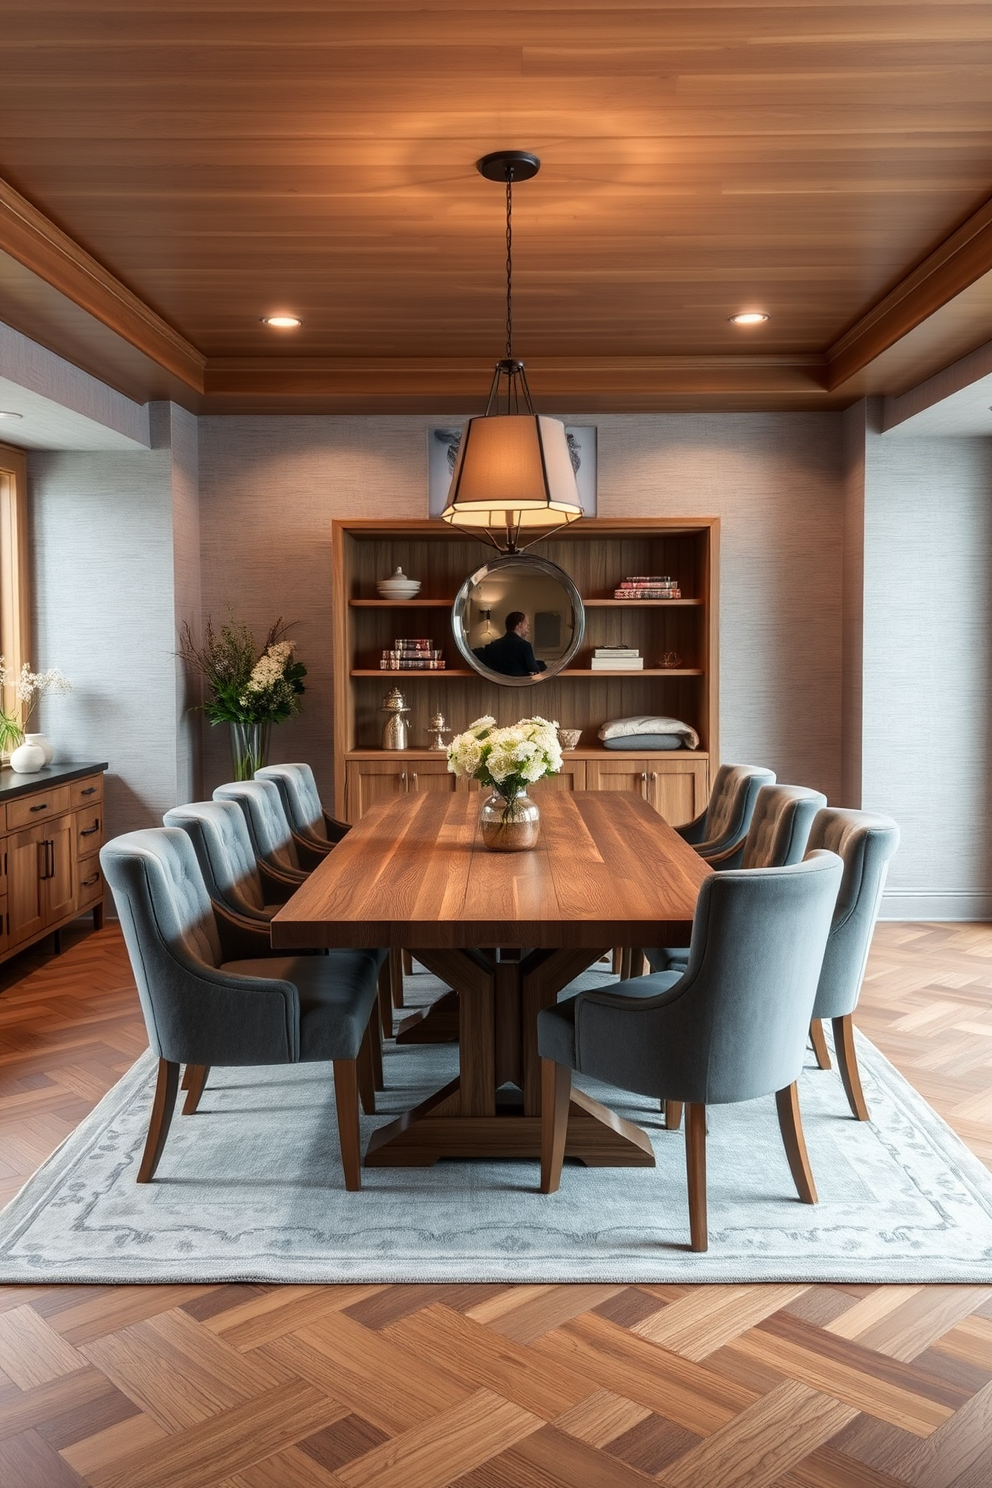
column 51, row 828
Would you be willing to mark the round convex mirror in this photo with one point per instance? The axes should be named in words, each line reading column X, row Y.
column 518, row 620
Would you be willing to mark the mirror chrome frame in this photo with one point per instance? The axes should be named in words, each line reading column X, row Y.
column 529, row 562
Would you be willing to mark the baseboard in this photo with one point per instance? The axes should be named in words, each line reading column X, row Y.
column 936, row 904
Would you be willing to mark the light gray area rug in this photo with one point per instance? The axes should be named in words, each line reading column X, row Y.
column 250, row 1189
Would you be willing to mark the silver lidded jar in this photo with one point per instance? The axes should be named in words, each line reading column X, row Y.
column 395, row 730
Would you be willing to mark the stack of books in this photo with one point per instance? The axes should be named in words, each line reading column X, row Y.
column 648, row 586
column 405, row 655
column 617, row 659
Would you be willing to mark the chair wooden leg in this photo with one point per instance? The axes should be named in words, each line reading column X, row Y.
column 163, row 1105
column 385, row 996
column 673, row 1114
column 618, row 960
column 396, row 976
column 847, row 1063
column 791, row 1126
column 366, row 1071
column 193, row 1083
column 407, row 964
column 375, row 1043
column 819, row 1043
column 695, row 1171
column 556, row 1090
column 346, row 1102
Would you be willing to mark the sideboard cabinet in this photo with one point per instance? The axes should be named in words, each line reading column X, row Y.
column 51, row 830
column 597, row 553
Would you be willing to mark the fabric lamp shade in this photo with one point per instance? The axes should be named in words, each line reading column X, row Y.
column 513, row 471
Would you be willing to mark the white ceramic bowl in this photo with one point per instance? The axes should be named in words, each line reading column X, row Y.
column 398, row 587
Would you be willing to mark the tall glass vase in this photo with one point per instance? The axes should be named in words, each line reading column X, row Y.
column 249, row 748
column 509, row 823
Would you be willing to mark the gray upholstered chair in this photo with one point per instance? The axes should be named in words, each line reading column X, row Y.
column 314, row 830
column 269, row 834
column 723, row 826
column 234, row 883
column 776, row 838
column 865, row 840
column 204, row 1004
column 731, row 1027
column 219, row 834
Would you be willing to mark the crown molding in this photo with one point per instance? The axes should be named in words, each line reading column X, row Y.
column 961, row 260
column 34, row 241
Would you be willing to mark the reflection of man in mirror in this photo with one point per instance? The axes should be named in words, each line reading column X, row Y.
column 512, row 654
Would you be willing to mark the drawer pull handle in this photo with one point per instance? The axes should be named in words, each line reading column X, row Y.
column 89, row 791
column 42, row 807
column 88, row 881
column 88, row 831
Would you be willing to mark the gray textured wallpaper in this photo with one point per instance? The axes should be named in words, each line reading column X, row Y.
column 855, row 612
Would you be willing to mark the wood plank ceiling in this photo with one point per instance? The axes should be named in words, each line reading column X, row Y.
column 176, row 169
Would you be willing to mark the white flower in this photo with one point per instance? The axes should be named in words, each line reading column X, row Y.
column 268, row 669
column 508, row 758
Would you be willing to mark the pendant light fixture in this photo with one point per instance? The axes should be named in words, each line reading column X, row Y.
column 513, row 474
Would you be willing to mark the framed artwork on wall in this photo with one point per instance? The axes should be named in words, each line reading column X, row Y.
column 442, row 452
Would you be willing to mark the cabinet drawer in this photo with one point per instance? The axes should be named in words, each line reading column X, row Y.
column 88, row 829
column 86, row 792
column 90, row 883
column 29, row 810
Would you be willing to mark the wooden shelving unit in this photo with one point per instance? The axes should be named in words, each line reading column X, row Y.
column 597, row 554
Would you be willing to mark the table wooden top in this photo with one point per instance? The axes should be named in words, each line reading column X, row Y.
column 607, row 870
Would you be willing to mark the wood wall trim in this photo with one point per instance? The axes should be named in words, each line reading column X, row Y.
column 959, row 262
column 15, row 568
column 28, row 236
column 425, row 384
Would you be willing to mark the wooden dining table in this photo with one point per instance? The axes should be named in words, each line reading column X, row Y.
column 506, row 931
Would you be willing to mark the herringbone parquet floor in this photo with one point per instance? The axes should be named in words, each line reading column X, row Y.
column 491, row 1386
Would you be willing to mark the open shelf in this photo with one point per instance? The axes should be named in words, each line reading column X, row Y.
column 597, row 554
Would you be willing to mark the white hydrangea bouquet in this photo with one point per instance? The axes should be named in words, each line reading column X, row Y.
column 508, row 760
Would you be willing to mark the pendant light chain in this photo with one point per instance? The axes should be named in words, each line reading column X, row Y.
column 509, row 263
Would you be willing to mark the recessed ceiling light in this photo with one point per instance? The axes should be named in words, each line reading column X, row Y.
column 6, row 413
column 282, row 322
column 749, row 317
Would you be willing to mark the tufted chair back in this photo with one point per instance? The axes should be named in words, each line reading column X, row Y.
column 219, row 834
column 780, row 827
column 166, row 917
column 730, row 809
column 298, row 789
column 865, row 841
column 265, row 818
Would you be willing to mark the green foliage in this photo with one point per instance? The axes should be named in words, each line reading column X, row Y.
column 246, row 685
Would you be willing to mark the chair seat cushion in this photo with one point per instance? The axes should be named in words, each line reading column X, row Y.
column 337, row 994
column 556, row 1025
column 634, row 742
column 668, row 958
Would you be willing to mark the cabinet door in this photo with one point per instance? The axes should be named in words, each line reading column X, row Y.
column 572, row 777
column 370, row 780
column 60, row 886
column 431, row 775
column 676, row 788
column 27, row 900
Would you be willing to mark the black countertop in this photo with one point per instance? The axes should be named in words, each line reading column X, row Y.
column 12, row 784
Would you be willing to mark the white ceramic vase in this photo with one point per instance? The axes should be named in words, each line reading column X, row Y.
column 43, row 742
column 27, row 759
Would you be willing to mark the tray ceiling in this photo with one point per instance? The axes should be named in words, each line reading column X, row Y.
column 177, row 171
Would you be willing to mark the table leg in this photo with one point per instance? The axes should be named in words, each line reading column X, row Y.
column 498, row 1001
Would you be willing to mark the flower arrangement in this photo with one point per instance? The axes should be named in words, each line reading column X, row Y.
column 508, row 759
column 30, row 687
column 246, row 685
